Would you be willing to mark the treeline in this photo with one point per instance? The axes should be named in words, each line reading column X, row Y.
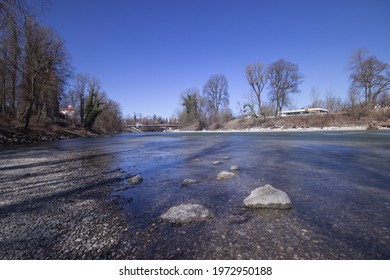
column 138, row 119
column 272, row 88
column 35, row 72
column 211, row 108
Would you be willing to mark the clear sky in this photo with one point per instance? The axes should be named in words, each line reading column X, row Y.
column 146, row 52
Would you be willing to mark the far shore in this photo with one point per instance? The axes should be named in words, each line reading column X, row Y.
column 300, row 129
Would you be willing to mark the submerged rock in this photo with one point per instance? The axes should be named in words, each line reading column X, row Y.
column 234, row 167
column 136, row 180
column 225, row 175
column 186, row 213
column 188, row 182
column 217, row 162
column 268, row 197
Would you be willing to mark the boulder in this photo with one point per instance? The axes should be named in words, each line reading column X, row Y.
column 186, row 213
column 187, row 182
column 136, row 180
column 225, row 175
column 268, row 197
column 234, row 167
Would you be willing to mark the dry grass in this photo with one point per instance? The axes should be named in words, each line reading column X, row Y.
column 341, row 119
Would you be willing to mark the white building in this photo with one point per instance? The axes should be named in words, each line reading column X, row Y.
column 68, row 113
column 308, row 111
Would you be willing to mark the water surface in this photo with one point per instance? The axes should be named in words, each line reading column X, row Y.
column 338, row 182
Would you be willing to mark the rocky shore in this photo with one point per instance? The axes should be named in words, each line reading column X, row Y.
column 16, row 136
column 53, row 214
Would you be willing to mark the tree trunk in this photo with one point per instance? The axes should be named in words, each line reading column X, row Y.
column 16, row 52
column 82, row 109
column 28, row 112
column 3, row 101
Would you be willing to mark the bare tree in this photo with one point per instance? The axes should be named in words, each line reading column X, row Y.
column 384, row 100
column 316, row 101
column 332, row 103
column 45, row 68
column 81, row 82
column 257, row 77
column 284, row 78
column 70, row 98
column 216, row 93
column 12, row 10
column 12, row 16
column 369, row 76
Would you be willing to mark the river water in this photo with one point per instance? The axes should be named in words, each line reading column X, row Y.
column 338, row 182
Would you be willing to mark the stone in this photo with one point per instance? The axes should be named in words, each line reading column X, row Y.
column 372, row 126
column 217, row 162
column 234, row 167
column 136, row 180
column 187, row 182
column 225, row 175
column 186, row 213
column 268, row 197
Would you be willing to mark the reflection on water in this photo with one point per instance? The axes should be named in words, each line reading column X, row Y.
column 338, row 183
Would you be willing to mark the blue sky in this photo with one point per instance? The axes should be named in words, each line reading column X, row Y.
column 146, row 52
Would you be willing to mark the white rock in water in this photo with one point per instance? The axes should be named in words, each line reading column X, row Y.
column 268, row 197
column 225, row 175
column 186, row 213
column 234, row 167
column 136, row 180
column 217, row 162
column 188, row 182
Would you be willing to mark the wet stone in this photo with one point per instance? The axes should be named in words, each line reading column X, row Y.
column 186, row 213
column 225, row 175
column 187, row 182
column 234, row 167
column 136, row 180
column 268, row 197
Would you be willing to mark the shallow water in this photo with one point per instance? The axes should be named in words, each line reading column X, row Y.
column 338, row 182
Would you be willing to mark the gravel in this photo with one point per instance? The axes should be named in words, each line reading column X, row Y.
column 52, row 212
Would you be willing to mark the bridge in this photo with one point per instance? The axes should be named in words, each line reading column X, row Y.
column 152, row 127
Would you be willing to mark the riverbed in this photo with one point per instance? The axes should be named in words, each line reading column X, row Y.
column 71, row 199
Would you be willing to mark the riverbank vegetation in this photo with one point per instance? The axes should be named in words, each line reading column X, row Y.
column 272, row 88
column 38, row 89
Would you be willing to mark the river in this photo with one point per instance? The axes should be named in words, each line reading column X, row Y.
column 338, row 182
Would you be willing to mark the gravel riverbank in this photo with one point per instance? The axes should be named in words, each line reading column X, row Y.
column 48, row 211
